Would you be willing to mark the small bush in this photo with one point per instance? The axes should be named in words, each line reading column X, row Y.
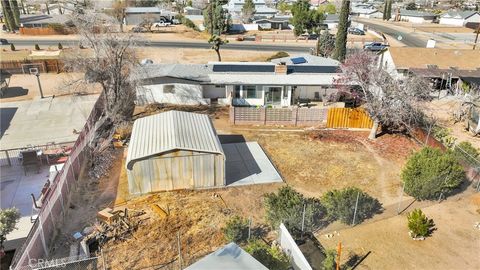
column 278, row 55
column 330, row 263
column 270, row 257
column 340, row 205
column 430, row 172
column 444, row 136
column 12, row 47
column 187, row 22
column 466, row 152
column 236, row 229
column 60, row 46
column 37, row 48
column 287, row 206
column 418, row 224
column 59, row 28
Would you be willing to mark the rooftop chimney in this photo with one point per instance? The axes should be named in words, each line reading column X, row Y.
column 281, row 68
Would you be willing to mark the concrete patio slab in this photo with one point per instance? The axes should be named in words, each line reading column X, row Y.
column 15, row 188
column 246, row 164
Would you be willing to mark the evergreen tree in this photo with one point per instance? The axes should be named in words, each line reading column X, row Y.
column 248, row 10
column 301, row 16
column 385, row 7
column 216, row 19
column 341, row 39
column 388, row 13
column 15, row 11
column 8, row 15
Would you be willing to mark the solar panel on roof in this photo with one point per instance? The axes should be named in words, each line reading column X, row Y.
column 298, row 60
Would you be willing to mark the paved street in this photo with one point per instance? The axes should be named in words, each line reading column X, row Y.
column 408, row 38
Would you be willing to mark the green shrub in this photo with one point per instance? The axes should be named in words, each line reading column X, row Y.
column 340, row 205
column 270, row 257
column 59, row 28
column 330, row 263
column 37, row 48
column 12, row 47
column 287, row 206
column 430, row 172
column 187, row 22
column 278, row 55
column 60, row 46
column 466, row 152
column 418, row 224
column 444, row 136
column 9, row 218
column 236, row 229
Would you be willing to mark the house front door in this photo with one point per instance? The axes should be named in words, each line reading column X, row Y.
column 273, row 95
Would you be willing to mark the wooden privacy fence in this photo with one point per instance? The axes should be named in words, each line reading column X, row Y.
column 277, row 116
column 348, row 118
column 331, row 117
column 22, row 66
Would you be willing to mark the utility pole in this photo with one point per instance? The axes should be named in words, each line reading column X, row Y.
column 401, row 197
column 476, row 37
column 355, row 212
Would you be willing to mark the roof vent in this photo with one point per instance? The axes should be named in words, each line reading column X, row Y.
column 281, row 69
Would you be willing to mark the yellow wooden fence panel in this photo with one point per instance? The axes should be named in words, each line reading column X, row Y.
column 348, row 118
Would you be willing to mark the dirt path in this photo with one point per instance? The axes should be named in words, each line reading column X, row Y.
column 382, row 179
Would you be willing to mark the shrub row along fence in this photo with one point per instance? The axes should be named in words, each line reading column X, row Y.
column 331, row 118
column 23, row 66
column 55, row 205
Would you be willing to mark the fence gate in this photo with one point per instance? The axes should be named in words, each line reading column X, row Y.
column 348, row 118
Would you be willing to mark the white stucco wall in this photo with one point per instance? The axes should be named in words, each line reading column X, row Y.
column 452, row 21
column 185, row 94
column 416, row 19
column 212, row 91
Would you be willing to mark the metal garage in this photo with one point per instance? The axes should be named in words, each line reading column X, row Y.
column 174, row 150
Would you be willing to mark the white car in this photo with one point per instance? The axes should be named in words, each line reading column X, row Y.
column 161, row 24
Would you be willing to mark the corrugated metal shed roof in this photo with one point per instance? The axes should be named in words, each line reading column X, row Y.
column 172, row 130
column 230, row 257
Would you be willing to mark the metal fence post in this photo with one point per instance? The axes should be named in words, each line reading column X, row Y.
column 8, row 158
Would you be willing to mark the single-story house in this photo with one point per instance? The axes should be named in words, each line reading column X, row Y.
column 230, row 256
column 234, row 7
column 399, row 60
column 365, row 11
column 415, row 16
column 192, row 11
column 331, row 21
column 174, row 150
column 44, row 21
column 460, row 18
column 137, row 15
column 282, row 82
column 277, row 22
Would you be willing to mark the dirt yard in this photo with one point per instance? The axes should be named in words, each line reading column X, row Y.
column 454, row 245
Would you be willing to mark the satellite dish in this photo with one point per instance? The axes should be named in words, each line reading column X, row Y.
column 399, row 37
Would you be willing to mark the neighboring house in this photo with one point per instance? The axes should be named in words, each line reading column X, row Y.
column 460, row 18
column 399, row 60
column 137, row 15
column 277, row 22
column 231, row 257
column 174, row 150
column 331, row 21
column 365, row 11
column 317, row 3
column 234, row 7
column 415, row 16
column 192, row 11
column 280, row 83
column 44, row 21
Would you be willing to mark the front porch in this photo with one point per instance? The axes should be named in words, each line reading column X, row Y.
column 276, row 96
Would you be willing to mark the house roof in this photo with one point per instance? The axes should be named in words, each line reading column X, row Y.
column 310, row 60
column 459, row 14
column 274, row 79
column 173, row 130
column 409, row 57
column 44, row 19
column 184, row 71
column 230, row 257
column 143, row 10
column 415, row 13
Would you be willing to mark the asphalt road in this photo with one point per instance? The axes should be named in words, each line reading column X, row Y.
column 177, row 44
column 408, row 39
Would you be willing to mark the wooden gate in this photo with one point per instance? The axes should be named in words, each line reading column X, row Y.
column 348, row 118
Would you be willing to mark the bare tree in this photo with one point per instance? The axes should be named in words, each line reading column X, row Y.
column 468, row 107
column 118, row 12
column 394, row 104
column 112, row 65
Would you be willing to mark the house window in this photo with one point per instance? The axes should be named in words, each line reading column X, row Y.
column 236, row 91
column 251, row 91
column 168, row 89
